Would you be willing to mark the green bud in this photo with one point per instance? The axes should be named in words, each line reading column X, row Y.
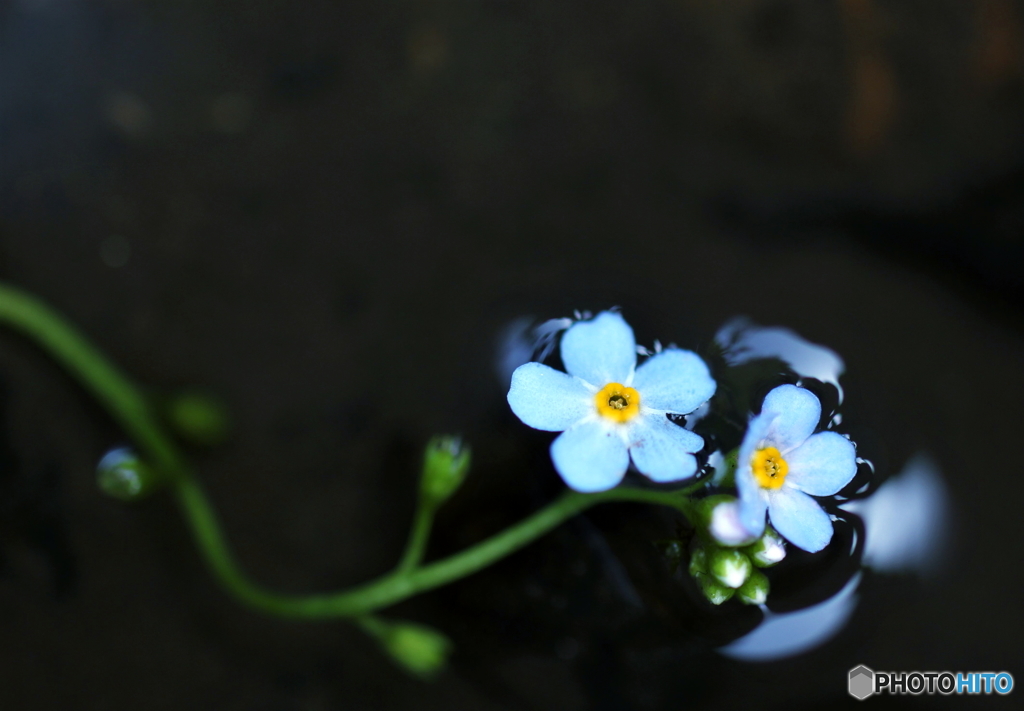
column 420, row 650
column 755, row 590
column 768, row 550
column 729, row 566
column 699, row 562
column 198, row 418
column 122, row 475
column 713, row 591
column 445, row 465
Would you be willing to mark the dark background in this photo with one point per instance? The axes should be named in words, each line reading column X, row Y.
column 324, row 213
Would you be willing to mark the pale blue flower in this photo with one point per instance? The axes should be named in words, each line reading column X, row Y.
column 781, row 464
column 609, row 410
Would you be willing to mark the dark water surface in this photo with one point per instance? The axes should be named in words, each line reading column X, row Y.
column 327, row 217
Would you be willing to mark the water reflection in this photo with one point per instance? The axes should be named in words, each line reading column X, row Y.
column 790, row 633
column 906, row 520
column 742, row 340
column 518, row 343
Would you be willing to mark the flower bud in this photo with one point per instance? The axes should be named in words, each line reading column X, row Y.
column 122, row 475
column 198, row 418
column 755, row 590
column 713, row 591
column 725, row 525
column 768, row 550
column 698, row 562
column 729, row 566
column 421, row 650
column 445, row 465
column 717, row 519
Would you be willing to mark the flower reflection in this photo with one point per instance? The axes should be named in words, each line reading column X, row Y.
column 744, row 341
column 787, row 634
column 906, row 520
column 906, row 528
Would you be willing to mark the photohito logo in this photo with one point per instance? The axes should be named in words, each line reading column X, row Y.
column 863, row 682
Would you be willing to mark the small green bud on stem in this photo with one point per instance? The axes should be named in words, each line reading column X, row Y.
column 715, row 592
column 767, row 550
column 445, row 465
column 755, row 590
column 729, row 567
column 420, row 650
column 198, row 418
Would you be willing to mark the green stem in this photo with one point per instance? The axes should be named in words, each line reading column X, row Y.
column 129, row 408
column 401, row 584
column 74, row 352
column 418, row 536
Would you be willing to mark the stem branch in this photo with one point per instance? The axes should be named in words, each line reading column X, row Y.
column 125, row 403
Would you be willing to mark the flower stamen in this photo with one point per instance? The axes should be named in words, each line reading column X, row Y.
column 617, row 402
column 769, row 468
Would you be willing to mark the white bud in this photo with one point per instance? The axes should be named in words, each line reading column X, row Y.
column 726, row 527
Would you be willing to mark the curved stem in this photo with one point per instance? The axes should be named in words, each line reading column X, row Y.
column 400, row 584
column 73, row 351
column 418, row 536
column 130, row 409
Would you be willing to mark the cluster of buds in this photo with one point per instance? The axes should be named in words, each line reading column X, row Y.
column 725, row 558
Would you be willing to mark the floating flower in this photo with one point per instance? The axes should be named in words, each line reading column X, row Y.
column 608, row 409
column 781, row 464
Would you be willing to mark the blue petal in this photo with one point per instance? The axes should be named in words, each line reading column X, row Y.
column 822, row 465
column 752, row 501
column 661, row 449
column 590, row 456
column 799, row 519
column 795, row 412
column 600, row 351
column 548, row 399
column 753, row 440
column 675, row 381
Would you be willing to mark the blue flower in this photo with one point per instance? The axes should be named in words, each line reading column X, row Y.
column 608, row 409
column 781, row 464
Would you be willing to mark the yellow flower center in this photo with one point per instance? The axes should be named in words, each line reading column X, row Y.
column 617, row 402
column 769, row 467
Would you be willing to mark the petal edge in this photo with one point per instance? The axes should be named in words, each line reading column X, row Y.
column 600, row 351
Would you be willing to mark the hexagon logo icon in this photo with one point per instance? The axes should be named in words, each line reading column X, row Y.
column 862, row 682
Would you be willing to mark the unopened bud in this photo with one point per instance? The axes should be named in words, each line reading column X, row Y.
column 768, row 550
column 420, row 650
column 725, row 524
column 445, row 465
column 698, row 562
column 198, row 418
column 713, row 590
column 729, row 567
column 755, row 590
